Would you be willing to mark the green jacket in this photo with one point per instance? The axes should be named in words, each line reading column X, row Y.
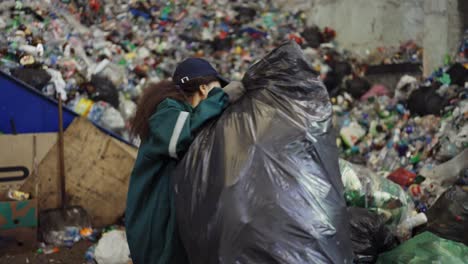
column 150, row 215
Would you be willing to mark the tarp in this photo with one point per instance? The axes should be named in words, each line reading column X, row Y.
column 262, row 183
column 426, row 248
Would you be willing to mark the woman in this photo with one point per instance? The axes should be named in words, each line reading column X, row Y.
column 168, row 116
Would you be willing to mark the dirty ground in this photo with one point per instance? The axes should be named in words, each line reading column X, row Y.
column 75, row 255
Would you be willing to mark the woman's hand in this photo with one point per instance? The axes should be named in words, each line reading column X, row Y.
column 235, row 90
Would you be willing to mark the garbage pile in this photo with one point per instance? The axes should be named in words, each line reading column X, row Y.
column 408, row 51
column 405, row 158
column 98, row 55
column 402, row 149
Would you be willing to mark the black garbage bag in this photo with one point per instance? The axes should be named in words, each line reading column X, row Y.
column 357, row 87
column 334, row 78
column 425, row 101
column 342, row 68
column 36, row 77
column 332, row 81
column 262, row 184
column 313, row 36
column 101, row 88
column 369, row 235
column 458, row 74
column 245, row 14
column 448, row 217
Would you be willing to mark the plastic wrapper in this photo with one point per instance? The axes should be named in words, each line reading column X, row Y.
column 114, row 73
column 369, row 235
column 262, row 185
column 405, row 87
column 127, row 108
column 112, row 120
column 426, row 248
column 366, row 189
column 59, row 83
column 113, row 248
column 448, row 218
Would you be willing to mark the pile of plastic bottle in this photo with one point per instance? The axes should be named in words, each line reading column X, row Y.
column 131, row 43
column 407, row 159
column 385, row 136
column 98, row 55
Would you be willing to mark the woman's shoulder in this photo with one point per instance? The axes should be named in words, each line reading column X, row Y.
column 170, row 106
column 170, row 103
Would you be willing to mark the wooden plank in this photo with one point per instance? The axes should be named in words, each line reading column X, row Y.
column 17, row 151
column 97, row 173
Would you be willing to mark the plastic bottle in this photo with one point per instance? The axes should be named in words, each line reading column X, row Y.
column 97, row 110
column 72, row 235
column 89, row 255
column 48, row 250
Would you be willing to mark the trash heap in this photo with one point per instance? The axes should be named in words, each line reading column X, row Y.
column 98, row 55
column 409, row 154
column 401, row 151
column 408, row 51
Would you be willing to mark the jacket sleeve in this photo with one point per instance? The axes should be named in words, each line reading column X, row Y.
column 173, row 128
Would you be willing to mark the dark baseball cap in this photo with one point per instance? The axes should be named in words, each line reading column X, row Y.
column 192, row 68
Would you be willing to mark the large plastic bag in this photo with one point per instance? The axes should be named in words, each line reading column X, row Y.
column 262, row 184
column 426, row 248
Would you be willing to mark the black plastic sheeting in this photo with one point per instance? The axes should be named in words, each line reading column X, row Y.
column 369, row 235
column 262, row 184
column 37, row 78
column 426, row 101
column 102, row 89
column 357, row 87
column 448, row 217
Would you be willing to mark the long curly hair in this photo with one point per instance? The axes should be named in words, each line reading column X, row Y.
column 155, row 93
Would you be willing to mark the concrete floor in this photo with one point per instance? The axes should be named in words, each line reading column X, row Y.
column 75, row 255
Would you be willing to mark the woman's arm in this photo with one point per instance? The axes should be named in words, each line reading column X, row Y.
column 173, row 128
